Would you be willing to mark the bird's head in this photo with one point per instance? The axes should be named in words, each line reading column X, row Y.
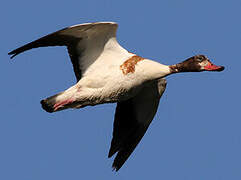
column 196, row 63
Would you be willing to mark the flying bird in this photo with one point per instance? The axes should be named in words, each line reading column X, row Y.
column 108, row 73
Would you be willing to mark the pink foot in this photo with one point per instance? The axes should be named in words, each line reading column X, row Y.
column 62, row 103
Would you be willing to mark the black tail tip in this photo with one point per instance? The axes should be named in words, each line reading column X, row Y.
column 46, row 106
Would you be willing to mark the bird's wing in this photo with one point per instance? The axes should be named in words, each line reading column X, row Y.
column 132, row 118
column 85, row 43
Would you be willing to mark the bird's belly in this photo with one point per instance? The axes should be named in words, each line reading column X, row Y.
column 110, row 86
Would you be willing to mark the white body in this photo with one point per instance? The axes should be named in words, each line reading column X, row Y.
column 106, row 73
column 103, row 81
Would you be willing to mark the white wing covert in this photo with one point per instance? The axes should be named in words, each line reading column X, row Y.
column 85, row 43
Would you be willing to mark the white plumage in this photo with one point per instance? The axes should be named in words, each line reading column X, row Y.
column 107, row 73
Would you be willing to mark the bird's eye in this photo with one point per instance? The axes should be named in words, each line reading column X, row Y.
column 200, row 58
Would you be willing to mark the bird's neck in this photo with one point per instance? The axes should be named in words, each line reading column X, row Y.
column 176, row 68
column 181, row 67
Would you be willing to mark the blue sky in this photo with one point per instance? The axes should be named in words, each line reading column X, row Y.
column 196, row 131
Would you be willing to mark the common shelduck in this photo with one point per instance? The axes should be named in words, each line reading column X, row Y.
column 107, row 73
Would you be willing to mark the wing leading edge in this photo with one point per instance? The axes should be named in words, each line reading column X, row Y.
column 81, row 40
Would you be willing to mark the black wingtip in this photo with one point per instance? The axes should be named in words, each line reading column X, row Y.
column 12, row 54
column 114, row 168
column 111, row 152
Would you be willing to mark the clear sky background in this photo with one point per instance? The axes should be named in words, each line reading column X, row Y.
column 196, row 133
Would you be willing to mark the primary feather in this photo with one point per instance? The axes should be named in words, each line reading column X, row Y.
column 107, row 73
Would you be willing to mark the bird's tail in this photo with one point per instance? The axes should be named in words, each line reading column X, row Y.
column 60, row 101
column 48, row 104
column 57, row 102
